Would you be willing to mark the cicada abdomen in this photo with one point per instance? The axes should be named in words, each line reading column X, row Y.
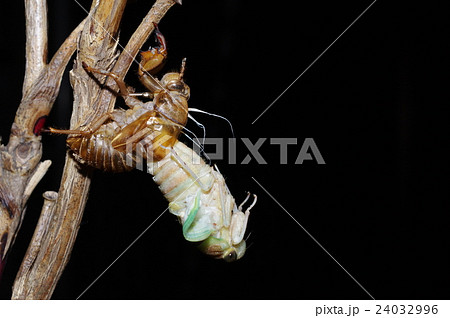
column 97, row 151
column 103, row 148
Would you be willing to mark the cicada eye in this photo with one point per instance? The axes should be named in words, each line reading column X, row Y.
column 176, row 86
column 231, row 256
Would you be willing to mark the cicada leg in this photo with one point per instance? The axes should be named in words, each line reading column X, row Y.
column 122, row 86
column 153, row 60
column 92, row 128
column 239, row 221
column 129, row 98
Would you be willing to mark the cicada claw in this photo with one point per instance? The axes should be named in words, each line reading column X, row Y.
column 153, row 60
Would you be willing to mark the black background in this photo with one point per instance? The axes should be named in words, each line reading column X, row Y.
column 375, row 103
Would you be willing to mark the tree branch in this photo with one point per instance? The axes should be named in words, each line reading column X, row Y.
column 36, row 41
column 32, row 255
column 19, row 160
column 97, row 48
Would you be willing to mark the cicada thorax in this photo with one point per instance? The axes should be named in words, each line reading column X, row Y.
column 170, row 97
column 171, row 115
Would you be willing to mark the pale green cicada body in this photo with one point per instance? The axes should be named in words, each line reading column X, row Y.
column 205, row 207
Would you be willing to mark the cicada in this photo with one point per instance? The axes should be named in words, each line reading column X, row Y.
column 197, row 193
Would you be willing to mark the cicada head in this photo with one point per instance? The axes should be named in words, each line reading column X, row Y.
column 229, row 243
column 174, row 82
column 220, row 248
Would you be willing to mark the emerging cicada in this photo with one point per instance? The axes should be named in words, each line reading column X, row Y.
column 196, row 192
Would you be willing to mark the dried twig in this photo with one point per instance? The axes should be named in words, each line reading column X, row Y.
column 32, row 255
column 97, row 47
column 20, row 169
column 36, row 42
